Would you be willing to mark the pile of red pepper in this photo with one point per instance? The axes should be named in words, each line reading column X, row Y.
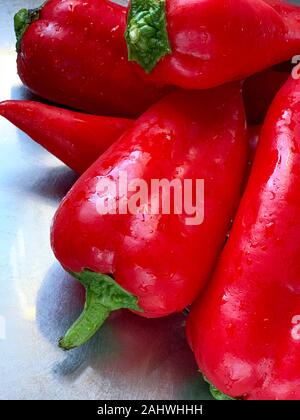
column 205, row 81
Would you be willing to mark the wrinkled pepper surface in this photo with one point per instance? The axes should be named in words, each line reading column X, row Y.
column 155, row 264
column 75, row 138
column 245, row 329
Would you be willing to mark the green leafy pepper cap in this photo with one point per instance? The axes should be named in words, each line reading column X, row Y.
column 22, row 19
column 146, row 33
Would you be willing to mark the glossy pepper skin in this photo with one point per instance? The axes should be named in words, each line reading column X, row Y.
column 245, row 329
column 75, row 138
column 73, row 52
column 158, row 258
column 201, row 44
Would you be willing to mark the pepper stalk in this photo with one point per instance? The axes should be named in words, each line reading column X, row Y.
column 103, row 295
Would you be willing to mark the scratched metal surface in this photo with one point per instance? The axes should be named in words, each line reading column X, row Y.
column 131, row 358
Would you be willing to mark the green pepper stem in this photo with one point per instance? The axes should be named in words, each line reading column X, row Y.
column 22, row 19
column 103, row 295
column 146, row 33
column 92, row 317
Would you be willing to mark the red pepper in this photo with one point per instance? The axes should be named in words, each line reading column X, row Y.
column 155, row 263
column 76, row 139
column 74, row 53
column 245, row 329
column 260, row 89
column 200, row 44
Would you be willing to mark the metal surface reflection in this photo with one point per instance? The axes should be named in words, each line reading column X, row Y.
column 131, row 357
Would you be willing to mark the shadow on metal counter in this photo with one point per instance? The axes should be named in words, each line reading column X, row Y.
column 140, row 350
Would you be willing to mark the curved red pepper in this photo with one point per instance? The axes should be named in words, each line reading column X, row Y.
column 160, row 261
column 200, row 44
column 73, row 52
column 245, row 329
column 76, row 139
